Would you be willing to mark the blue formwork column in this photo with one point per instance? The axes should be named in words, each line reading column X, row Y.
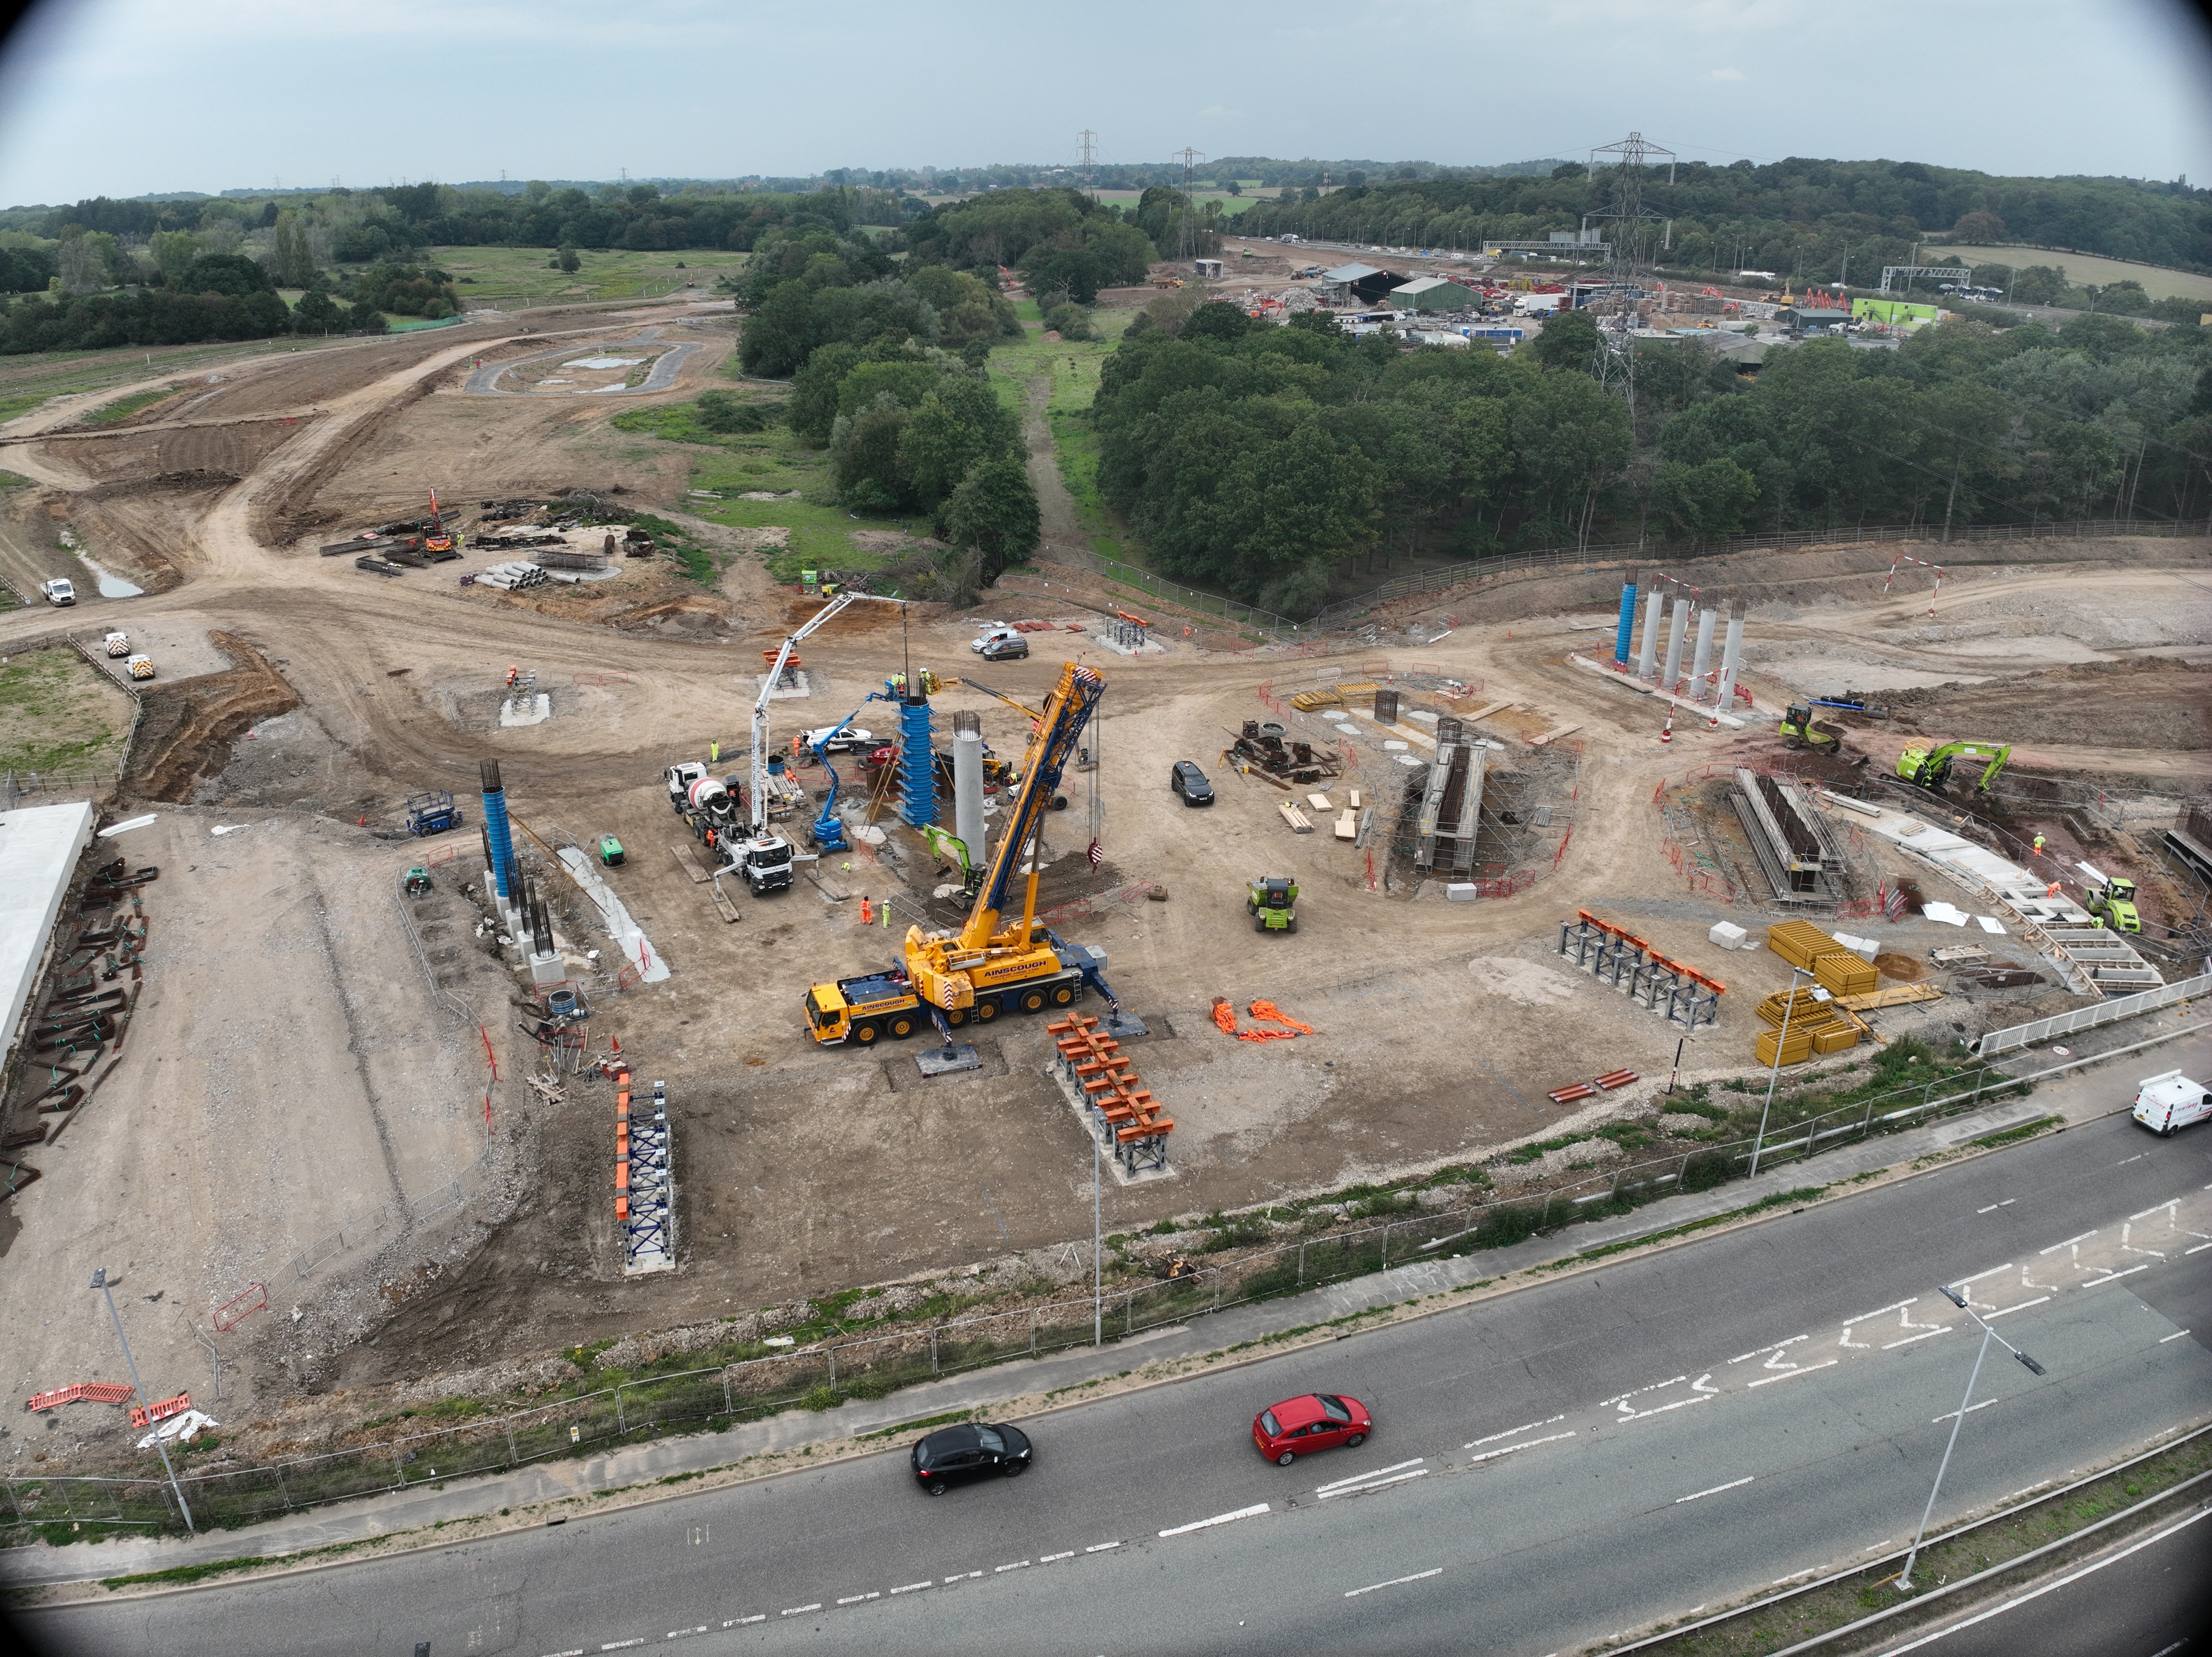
column 917, row 766
column 1621, row 640
column 495, row 829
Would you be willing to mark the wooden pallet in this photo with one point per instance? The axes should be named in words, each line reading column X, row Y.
column 1897, row 995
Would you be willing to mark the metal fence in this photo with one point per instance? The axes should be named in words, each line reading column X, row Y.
column 1278, row 628
column 818, row 1376
column 1450, row 575
column 2105, row 1013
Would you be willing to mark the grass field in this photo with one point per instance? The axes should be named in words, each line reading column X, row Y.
column 109, row 414
column 1072, row 369
column 2087, row 269
column 57, row 712
column 508, row 274
column 27, row 381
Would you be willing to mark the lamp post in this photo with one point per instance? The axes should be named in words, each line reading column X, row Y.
column 100, row 1282
column 1905, row 1576
column 1097, row 1265
column 1774, row 1075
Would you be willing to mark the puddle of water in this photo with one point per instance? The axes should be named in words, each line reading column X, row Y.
column 605, row 362
column 111, row 586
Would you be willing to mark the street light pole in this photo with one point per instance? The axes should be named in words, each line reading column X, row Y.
column 1774, row 1074
column 1097, row 1267
column 100, row 1282
column 1905, row 1576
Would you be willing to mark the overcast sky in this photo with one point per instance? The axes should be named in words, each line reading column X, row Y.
column 123, row 97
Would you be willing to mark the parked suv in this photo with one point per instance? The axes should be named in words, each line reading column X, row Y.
column 1190, row 782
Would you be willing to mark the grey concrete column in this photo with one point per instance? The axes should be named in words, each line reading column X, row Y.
column 1703, row 656
column 1677, row 625
column 1653, row 602
column 968, row 783
column 1731, row 654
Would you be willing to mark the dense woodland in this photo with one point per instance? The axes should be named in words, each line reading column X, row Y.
column 1800, row 219
column 1271, row 461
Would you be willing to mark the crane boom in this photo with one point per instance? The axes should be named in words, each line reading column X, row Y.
column 998, row 696
column 945, row 969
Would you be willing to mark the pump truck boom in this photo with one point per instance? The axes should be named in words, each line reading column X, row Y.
column 826, row 832
column 991, row 964
column 763, row 857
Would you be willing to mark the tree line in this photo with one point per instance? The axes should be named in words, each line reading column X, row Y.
column 1270, row 462
column 1799, row 218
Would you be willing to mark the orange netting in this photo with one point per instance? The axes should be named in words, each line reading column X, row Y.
column 1225, row 1016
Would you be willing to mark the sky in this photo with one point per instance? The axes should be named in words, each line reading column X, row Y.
column 126, row 97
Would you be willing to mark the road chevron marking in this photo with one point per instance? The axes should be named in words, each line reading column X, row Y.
column 1361, row 1479
column 1377, row 1485
column 1787, row 1375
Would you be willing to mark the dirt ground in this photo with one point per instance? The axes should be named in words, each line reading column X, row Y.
column 1439, row 1026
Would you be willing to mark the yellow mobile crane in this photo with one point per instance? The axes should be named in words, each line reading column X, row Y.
column 992, row 964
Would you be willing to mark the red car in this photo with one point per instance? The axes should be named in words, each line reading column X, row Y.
column 1318, row 1421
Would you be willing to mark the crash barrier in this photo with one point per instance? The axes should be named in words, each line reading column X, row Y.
column 95, row 1392
column 1345, row 611
column 818, row 1376
column 2105, row 1012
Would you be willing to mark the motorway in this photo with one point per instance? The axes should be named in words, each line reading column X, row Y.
column 1549, row 1467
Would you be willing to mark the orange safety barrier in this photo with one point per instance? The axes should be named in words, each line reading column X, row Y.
column 162, row 1410
column 96, row 1392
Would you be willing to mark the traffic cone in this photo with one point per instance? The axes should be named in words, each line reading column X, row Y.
column 1668, row 733
column 1716, row 723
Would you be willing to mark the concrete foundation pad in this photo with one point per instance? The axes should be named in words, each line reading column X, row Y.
column 1627, row 682
column 948, row 1060
column 515, row 711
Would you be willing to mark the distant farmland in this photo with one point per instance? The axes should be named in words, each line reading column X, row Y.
column 2086, row 268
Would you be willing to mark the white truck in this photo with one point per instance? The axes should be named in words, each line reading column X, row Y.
column 59, row 591
column 2170, row 1100
column 1537, row 305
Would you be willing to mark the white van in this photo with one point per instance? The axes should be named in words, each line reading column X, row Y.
column 2172, row 1101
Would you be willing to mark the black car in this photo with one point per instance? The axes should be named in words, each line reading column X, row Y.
column 1006, row 650
column 1190, row 782
column 974, row 1451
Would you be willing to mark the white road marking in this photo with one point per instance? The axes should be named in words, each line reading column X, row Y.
column 1940, row 1329
column 1660, row 1410
column 2114, row 1276
column 1055, row 1558
column 1528, row 1444
column 685, row 1633
column 914, row 1587
column 2137, row 1157
column 2199, row 1249
column 2022, row 1306
column 1698, row 1385
column 2037, row 1593
column 2176, row 1335
column 1377, row 1485
column 1418, row 1576
column 1952, row 1415
column 964, row 1576
column 801, row 1611
column 1510, row 1432
column 1777, row 1346
column 746, row 1621
column 856, row 1599
column 1361, row 1479
column 1655, row 1387
column 1993, row 1207
column 1019, row 1564
column 1716, row 1491
column 1868, row 1317
column 1768, row 1381
column 1100, row 1547
column 624, row 1645
column 1252, row 1512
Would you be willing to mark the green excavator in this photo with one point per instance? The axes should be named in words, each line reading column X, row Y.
column 1930, row 768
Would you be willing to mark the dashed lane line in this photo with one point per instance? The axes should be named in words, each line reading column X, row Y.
column 1361, row 1479
column 1395, row 1581
column 1377, row 1485
column 1526, row 1444
column 801, row 1611
column 1698, row 1495
column 1510, row 1431
column 1252, row 1512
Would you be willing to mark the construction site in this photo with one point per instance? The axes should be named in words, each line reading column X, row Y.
column 513, row 945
